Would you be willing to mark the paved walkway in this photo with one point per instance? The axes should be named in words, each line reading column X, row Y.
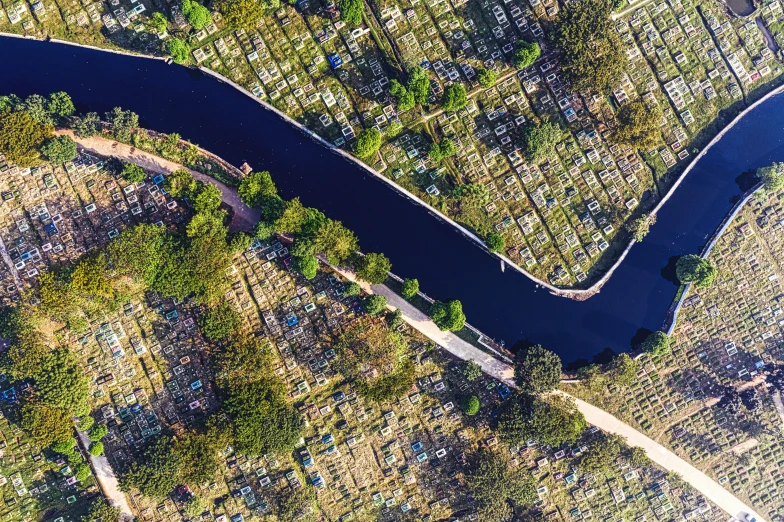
column 106, row 478
column 245, row 218
column 600, row 418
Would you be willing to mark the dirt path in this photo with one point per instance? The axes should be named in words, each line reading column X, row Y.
column 245, row 218
column 106, row 478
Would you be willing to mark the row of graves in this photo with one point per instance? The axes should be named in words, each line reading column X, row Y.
column 52, row 214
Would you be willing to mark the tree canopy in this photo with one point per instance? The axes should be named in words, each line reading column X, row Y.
column 368, row 142
column 602, row 454
column 256, row 188
column 638, row 125
column 373, row 268
column 46, row 425
column 410, row 288
column 552, row 421
column 454, row 98
column 495, row 242
column 335, row 241
column 448, row 316
column 419, row 84
column 657, row 343
column 486, row 77
column 692, row 268
column 497, row 488
column 198, row 16
column 123, row 123
column 592, row 55
column 540, row 140
column 351, row 12
column 526, row 53
column 219, row 322
column 156, row 473
column 772, row 177
column 59, row 149
column 537, row 370
column 241, row 14
column 179, row 50
column 133, row 173
column 21, row 137
column 375, row 304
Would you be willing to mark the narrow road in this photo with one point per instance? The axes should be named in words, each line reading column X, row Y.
column 505, row 373
column 629, row 9
column 107, row 480
column 245, row 218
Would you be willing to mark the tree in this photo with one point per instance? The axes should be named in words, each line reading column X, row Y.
column 59, row 149
column 85, row 423
column 159, row 22
column 657, row 343
column 555, row 421
column 454, row 98
column 180, row 184
column 445, row 149
column 220, row 321
column 60, row 105
column 139, row 252
column 497, row 488
column 87, row 125
column 96, row 449
column 179, row 50
column 123, row 123
column 241, row 14
column 198, row 15
column 405, row 98
column 46, row 425
column 256, row 188
column 638, row 458
column 369, row 344
column 133, row 173
column 537, row 370
column 101, row 511
column 60, row 381
column 262, row 420
column 638, row 125
column 21, row 136
column 640, row 227
column 207, row 198
column 526, row 53
column 368, row 142
column 242, row 359
column 602, row 454
column 373, row 268
column 419, row 85
column 199, row 453
column 472, row 371
column 410, row 288
column 65, row 447
column 772, row 177
column 82, row 472
column 335, row 241
column 623, row 369
column 448, row 316
column 307, row 266
column 156, row 473
column 540, row 140
column 470, row 405
column 352, row 289
column 375, row 304
column 351, row 12
column 486, row 77
column 693, row 269
column 38, row 107
column 292, row 218
column 395, row 319
column 98, row 432
column 592, row 55
column 495, row 242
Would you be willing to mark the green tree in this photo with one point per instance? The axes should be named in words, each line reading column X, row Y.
column 640, row 227
column 66, row 447
column 375, row 304
column 38, row 107
column 495, row 242
column 98, row 432
column 693, row 269
column 159, row 22
column 82, row 472
column 60, row 382
column 537, row 370
column 472, row 371
column 454, row 98
column 540, row 140
column 198, row 15
column 486, row 78
column 352, row 289
column 241, row 14
column 623, row 369
column 207, row 198
column 470, row 405
column 101, row 511
column 156, row 473
column 657, row 343
column 368, row 143
column 219, row 322
column 592, row 55
column 497, row 488
column 59, row 149
column 96, row 449
column 242, row 360
column 439, row 151
column 60, row 105
column 602, row 454
column 256, row 188
column 410, row 288
column 373, row 268
column 555, row 421
column 21, row 136
column 199, row 453
column 638, row 458
column 123, row 123
column 772, row 177
column 180, row 184
column 404, row 97
column 526, row 53
column 85, row 423
column 46, row 425
column 179, row 50
column 133, row 173
column 293, row 217
column 307, row 266
column 87, row 125
column 448, row 316
column 419, row 85
column 351, row 12
column 139, row 252
column 335, row 241
column 639, row 126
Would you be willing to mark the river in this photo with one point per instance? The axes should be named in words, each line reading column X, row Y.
column 505, row 305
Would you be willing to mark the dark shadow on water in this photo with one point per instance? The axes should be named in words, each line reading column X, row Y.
column 639, row 336
column 669, row 273
column 747, row 181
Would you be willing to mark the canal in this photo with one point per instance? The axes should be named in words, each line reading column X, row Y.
column 505, row 305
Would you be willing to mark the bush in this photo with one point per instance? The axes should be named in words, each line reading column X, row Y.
column 368, row 143
column 59, row 149
column 410, row 288
column 495, row 242
column 693, row 269
column 375, row 304
column 98, row 432
column 96, row 449
column 470, row 405
column 133, row 173
column 486, row 78
column 448, row 316
column 657, row 343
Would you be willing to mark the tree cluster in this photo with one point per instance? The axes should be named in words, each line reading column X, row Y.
column 553, row 420
column 449, row 315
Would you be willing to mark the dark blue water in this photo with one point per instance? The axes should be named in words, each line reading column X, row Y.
column 505, row 305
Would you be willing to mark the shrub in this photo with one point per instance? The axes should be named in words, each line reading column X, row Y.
column 471, row 405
